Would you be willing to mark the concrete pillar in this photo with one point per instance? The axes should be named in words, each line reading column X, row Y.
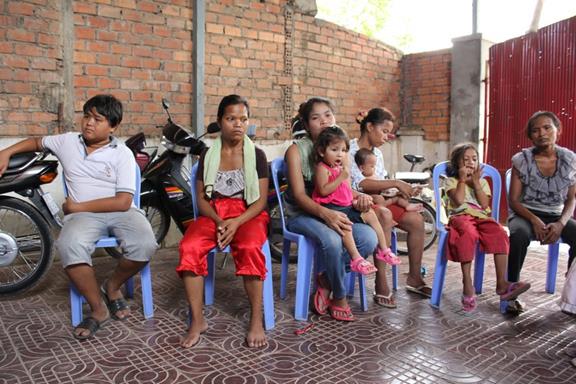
column 469, row 60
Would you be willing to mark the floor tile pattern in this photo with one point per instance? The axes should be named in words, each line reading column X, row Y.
column 411, row 344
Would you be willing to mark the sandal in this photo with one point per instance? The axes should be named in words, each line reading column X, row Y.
column 341, row 313
column 387, row 256
column 385, row 301
column 514, row 290
column 114, row 306
column 90, row 324
column 468, row 303
column 363, row 266
column 321, row 297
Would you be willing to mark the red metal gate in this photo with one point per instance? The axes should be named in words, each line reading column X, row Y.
column 527, row 74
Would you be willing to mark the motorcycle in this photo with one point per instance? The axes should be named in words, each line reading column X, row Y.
column 425, row 195
column 26, row 223
column 165, row 189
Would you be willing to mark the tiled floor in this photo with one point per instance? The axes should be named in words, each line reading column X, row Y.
column 411, row 344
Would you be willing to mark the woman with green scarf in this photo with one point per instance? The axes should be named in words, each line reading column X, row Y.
column 231, row 185
column 322, row 225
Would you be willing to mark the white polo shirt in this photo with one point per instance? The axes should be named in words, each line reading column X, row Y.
column 100, row 174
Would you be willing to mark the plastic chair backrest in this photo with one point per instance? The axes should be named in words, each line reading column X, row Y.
column 193, row 172
column 277, row 168
column 135, row 198
column 487, row 171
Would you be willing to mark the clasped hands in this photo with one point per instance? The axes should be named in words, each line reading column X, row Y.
column 547, row 233
column 225, row 231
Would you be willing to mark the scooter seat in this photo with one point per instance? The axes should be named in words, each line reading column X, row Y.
column 20, row 159
column 414, row 159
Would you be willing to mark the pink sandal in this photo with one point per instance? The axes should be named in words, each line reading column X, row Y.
column 468, row 303
column 387, row 256
column 341, row 313
column 321, row 297
column 362, row 266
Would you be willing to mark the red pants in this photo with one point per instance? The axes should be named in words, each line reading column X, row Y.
column 465, row 230
column 246, row 246
column 397, row 211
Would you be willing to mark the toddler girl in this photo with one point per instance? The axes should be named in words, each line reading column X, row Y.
column 469, row 211
column 332, row 190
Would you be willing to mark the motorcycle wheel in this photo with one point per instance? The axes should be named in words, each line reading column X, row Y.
column 276, row 237
column 430, row 232
column 158, row 218
column 25, row 246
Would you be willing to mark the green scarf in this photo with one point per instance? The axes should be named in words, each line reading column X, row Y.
column 212, row 164
column 305, row 148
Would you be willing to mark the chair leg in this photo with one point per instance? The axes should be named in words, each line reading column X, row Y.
column 439, row 271
column 393, row 247
column 147, row 299
column 268, row 290
column 350, row 284
column 362, row 289
column 129, row 288
column 75, row 305
column 303, row 275
column 479, row 269
column 552, row 268
column 284, row 270
column 209, row 280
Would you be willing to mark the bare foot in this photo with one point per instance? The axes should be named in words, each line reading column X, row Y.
column 256, row 337
column 413, row 207
column 193, row 336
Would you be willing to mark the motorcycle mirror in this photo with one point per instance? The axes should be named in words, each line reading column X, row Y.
column 166, row 105
column 213, row 127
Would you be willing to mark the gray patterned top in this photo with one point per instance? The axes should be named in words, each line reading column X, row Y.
column 230, row 183
column 545, row 193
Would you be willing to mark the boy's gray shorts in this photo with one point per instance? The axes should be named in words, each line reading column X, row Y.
column 82, row 230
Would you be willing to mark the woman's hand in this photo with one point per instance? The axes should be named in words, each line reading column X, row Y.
column 405, row 188
column 362, row 202
column 338, row 221
column 226, row 229
column 540, row 229
column 554, row 230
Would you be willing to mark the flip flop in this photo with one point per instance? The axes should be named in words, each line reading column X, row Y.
column 114, row 306
column 321, row 297
column 385, row 301
column 422, row 290
column 90, row 324
column 514, row 290
column 341, row 313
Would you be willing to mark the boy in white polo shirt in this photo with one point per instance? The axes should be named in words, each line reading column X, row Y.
column 100, row 174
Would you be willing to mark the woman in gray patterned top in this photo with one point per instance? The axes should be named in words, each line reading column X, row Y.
column 541, row 193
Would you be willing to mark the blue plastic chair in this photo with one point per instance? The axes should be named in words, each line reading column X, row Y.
column 553, row 249
column 209, row 281
column 76, row 299
column 441, row 261
column 306, row 258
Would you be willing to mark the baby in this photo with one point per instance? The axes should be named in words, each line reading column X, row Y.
column 366, row 161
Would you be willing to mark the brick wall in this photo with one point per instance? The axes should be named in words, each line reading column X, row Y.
column 355, row 72
column 30, row 67
column 426, row 93
column 142, row 50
